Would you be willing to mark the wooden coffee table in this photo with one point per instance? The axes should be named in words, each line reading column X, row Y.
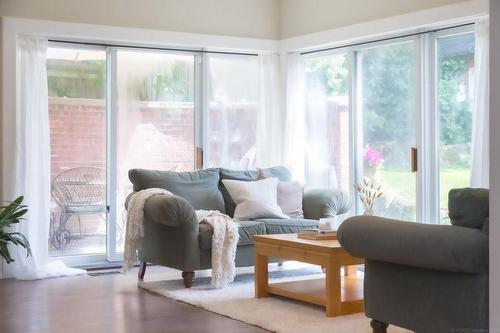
column 341, row 294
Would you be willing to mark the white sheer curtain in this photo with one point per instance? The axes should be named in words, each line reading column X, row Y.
column 242, row 120
column 33, row 163
column 295, row 117
column 269, row 118
column 480, row 109
column 319, row 169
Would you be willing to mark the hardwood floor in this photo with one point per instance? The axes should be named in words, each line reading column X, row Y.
column 108, row 303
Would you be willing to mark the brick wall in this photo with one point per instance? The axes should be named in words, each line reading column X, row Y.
column 153, row 135
column 77, row 133
column 150, row 135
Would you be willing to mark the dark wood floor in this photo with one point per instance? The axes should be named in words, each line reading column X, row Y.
column 110, row 303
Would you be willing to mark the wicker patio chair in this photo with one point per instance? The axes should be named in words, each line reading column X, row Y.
column 77, row 191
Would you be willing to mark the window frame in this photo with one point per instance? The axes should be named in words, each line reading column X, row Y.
column 111, row 101
column 426, row 116
column 433, row 111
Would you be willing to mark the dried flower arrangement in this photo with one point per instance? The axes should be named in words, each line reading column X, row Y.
column 368, row 192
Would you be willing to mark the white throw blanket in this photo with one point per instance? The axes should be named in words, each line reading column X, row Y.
column 224, row 239
column 224, row 242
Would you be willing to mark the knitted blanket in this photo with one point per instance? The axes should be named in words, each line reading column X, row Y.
column 224, row 242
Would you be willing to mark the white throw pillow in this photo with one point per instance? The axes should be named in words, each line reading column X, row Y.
column 290, row 199
column 289, row 196
column 255, row 199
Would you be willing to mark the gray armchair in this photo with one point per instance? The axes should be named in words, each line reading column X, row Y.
column 423, row 277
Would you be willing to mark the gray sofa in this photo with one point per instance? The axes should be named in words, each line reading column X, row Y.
column 426, row 278
column 175, row 239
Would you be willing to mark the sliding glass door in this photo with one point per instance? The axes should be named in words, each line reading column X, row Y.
column 407, row 120
column 77, row 117
column 153, row 117
column 113, row 109
column 327, row 127
column 454, row 57
column 386, row 89
column 231, row 110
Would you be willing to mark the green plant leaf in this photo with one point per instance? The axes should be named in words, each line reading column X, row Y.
column 18, row 214
column 4, row 252
column 12, row 214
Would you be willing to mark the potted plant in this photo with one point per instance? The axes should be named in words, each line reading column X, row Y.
column 9, row 215
column 373, row 161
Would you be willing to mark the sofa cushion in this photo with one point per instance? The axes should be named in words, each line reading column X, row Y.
column 468, row 207
column 280, row 172
column 281, row 226
column 246, row 230
column 199, row 188
column 255, row 199
column 290, row 195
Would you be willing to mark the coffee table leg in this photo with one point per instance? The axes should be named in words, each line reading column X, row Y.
column 332, row 289
column 261, row 275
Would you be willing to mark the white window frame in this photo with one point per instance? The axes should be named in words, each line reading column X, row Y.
column 112, row 112
column 111, row 255
column 426, row 116
column 355, row 113
column 432, row 124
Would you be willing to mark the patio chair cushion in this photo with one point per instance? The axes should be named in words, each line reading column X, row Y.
column 199, row 188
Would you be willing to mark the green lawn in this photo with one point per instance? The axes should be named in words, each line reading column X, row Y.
column 403, row 183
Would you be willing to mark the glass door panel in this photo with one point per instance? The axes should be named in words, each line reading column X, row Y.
column 230, row 115
column 327, row 122
column 77, row 118
column 154, row 118
column 386, row 100
column 455, row 91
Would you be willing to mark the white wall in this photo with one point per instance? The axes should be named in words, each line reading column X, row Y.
column 273, row 19
column 494, row 166
column 451, row 14
column 245, row 18
column 299, row 17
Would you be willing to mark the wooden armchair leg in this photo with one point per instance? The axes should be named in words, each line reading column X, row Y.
column 188, row 279
column 142, row 270
column 378, row 326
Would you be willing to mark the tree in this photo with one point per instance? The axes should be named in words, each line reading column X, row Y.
column 388, row 89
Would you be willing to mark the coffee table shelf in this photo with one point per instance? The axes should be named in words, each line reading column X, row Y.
column 339, row 294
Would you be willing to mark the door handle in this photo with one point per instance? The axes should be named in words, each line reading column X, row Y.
column 198, row 158
column 414, row 159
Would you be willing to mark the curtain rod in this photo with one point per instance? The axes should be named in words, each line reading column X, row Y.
column 386, row 39
column 151, row 48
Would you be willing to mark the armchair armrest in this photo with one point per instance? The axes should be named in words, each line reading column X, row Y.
column 439, row 247
column 171, row 233
column 170, row 210
column 321, row 203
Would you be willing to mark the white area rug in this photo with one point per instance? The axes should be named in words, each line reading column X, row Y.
column 275, row 314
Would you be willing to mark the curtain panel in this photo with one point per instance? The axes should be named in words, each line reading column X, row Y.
column 480, row 108
column 32, row 171
column 242, row 112
column 295, row 117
